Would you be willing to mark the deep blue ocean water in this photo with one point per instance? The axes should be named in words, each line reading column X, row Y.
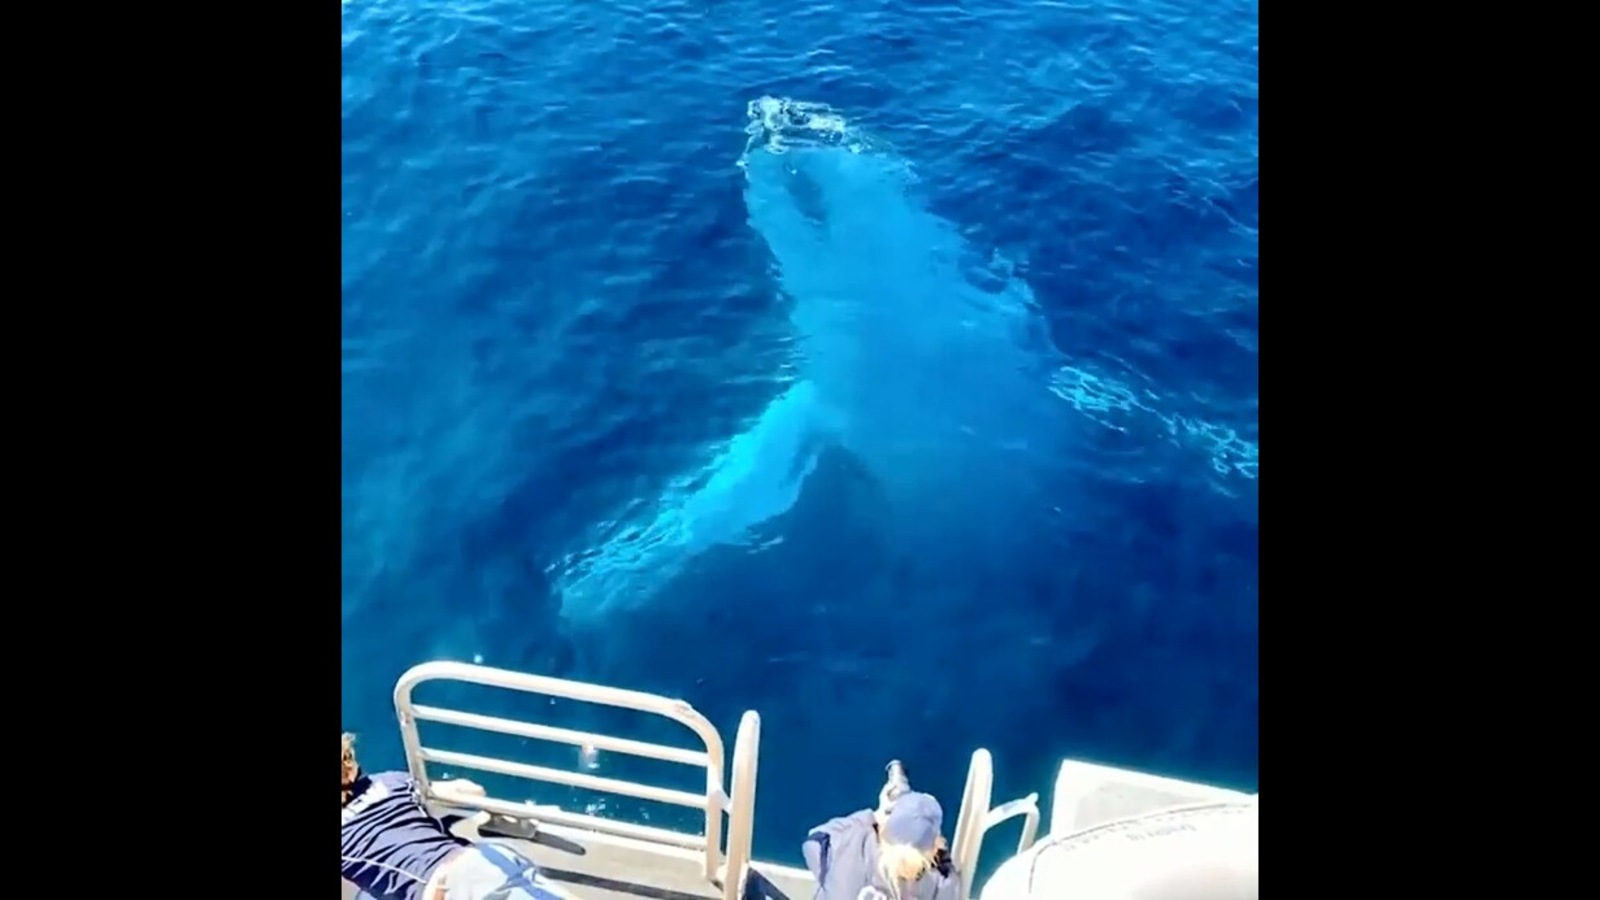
column 989, row 325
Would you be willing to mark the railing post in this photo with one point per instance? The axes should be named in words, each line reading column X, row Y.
column 1030, row 826
column 716, row 801
column 742, row 804
column 1028, row 808
column 969, row 825
column 412, row 741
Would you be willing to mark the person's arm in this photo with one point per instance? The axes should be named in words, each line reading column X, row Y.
column 454, row 810
column 402, row 781
column 818, row 848
column 461, row 786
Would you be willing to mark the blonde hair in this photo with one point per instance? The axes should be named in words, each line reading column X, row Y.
column 899, row 863
column 347, row 768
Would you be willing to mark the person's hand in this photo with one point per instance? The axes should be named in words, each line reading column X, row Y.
column 462, row 786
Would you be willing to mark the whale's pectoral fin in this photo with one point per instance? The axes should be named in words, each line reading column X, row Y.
column 757, row 478
column 760, row 474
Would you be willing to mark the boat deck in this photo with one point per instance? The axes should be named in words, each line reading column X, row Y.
column 587, row 858
column 591, row 866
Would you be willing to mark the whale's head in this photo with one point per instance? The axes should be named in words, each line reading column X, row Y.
column 830, row 174
column 778, row 124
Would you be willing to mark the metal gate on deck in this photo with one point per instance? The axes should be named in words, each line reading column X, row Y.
column 724, row 860
column 737, row 801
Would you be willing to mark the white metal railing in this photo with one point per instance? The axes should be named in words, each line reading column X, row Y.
column 977, row 817
column 1028, row 808
column 968, row 838
column 739, row 805
column 742, row 806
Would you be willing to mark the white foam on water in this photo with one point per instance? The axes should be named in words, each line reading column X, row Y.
column 777, row 123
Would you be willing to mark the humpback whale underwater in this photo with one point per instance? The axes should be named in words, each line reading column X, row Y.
column 915, row 356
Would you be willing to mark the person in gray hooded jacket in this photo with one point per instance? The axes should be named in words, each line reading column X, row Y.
column 877, row 855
